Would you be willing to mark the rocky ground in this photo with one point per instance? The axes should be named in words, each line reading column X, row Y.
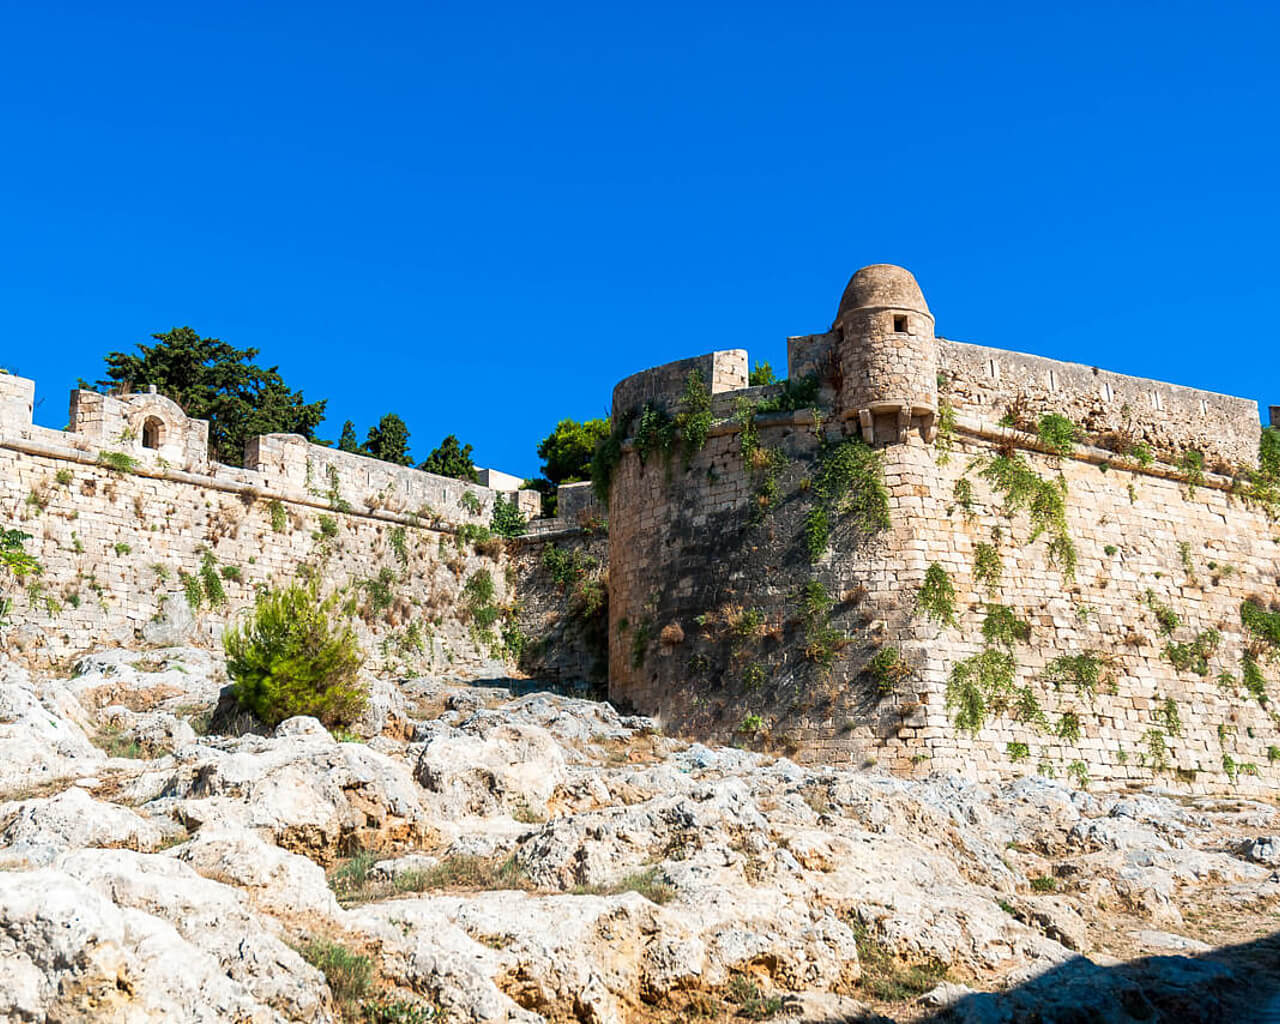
column 465, row 855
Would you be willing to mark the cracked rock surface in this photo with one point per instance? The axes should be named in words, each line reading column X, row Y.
column 548, row 859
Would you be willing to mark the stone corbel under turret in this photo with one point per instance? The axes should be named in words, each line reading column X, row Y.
column 905, row 411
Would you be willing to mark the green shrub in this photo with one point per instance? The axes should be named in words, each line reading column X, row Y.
column 1027, row 709
column 655, row 433
column 1262, row 625
column 764, row 466
column 963, row 493
column 937, row 596
column 471, row 503
column 279, row 518
column 822, row 640
column 193, row 589
column 1079, row 771
column 1194, row 656
column 1264, row 485
column 694, row 418
column 349, row 975
column 980, row 685
column 1002, row 626
column 293, row 654
column 1252, row 678
column 988, row 567
column 377, row 591
column 398, row 1011
column 640, row 637
column 762, row 375
column 508, row 520
column 750, row 725
column 888, row 668
column 1157, row 750
column 1168, row 717
column 1083, row 671
column 1069, row 726
column 1045, row 502
column 607, row 455
column 1044, row 883
column 945, row 436
column 795, row 394
column 1057, row 433
column 328, row 527
column 1166, row 618
column 478, row 592
column 1192, row 466
column 1017, row 751
column 848, row 484
column 117, row 462
column 211, row 582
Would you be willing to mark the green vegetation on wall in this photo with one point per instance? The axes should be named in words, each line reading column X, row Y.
column 937, row 596
column 1045, row 502
column 848, row 486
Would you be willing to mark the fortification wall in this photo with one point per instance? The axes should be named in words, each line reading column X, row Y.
column 709, row 600
column 122, row 528
column 1144, row 542
column 562, row 585
column 987, row 382
column 712, row 620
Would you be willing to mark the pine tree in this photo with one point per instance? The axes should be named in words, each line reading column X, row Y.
column 347, row 442
column 389, row 441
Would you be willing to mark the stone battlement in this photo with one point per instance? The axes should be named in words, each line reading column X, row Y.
column 881, row 358
column 154, row 432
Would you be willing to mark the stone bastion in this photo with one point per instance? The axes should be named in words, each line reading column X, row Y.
column 931, row 554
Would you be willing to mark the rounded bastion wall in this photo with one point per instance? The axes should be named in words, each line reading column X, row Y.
column 714, row 628
column 712, row 611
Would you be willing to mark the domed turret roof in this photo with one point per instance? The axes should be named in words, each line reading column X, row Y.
column 882, row 285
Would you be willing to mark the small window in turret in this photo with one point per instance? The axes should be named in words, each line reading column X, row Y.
column 899, row 324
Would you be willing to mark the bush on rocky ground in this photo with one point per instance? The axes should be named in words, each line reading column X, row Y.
column 295, row 654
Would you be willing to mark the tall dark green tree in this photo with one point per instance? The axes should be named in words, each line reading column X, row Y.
column 452, row 458
column 214, row 381
column 566, row 457
column 389, row 441
column 566, row 452
column 347, row 442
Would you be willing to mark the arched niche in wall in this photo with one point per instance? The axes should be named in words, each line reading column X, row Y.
column 153, row 432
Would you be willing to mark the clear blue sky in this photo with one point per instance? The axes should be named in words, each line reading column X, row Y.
column 482, row 216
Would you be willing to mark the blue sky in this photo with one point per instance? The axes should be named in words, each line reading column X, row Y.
column 482, row 216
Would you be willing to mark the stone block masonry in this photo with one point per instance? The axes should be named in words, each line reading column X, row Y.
column 141, row 536
column 728, row 621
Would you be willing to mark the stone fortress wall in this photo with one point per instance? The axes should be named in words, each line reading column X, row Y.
column 723, row 624
column 125, row 508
